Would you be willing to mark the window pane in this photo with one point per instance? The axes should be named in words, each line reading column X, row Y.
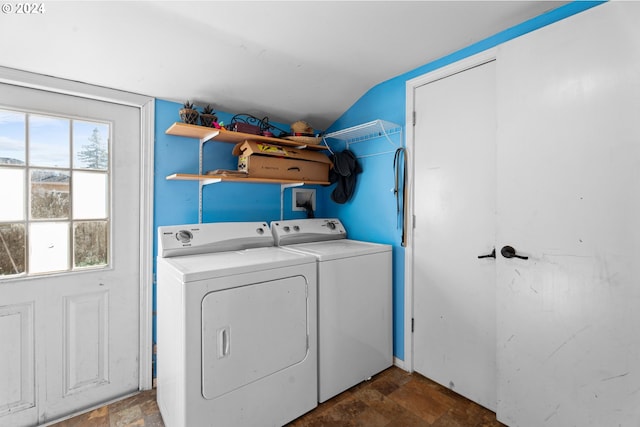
column 90, row 240
column 89, row 195
column 11, row 194
column 90, row 145
column 68, row 167
column 12, row 145
column 49, row 194
column 12, row 249
column 48, row 247
column 48, row 141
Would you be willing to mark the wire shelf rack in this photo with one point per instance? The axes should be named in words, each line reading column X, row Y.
column 365, row 132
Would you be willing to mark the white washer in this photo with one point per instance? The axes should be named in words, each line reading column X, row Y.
column 237, row 327
column 354, row 301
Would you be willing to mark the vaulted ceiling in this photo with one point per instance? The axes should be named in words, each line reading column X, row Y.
column 287, row 60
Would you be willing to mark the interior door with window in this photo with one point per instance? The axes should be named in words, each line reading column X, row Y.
column 69, row 253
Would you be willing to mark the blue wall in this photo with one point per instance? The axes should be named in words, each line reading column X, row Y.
column 371, row 213
column 176, row 202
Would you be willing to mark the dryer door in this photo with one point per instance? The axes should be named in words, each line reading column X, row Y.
column 251, row 332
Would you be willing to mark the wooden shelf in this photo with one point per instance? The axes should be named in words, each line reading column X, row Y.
column 205, row 133
column 224, row 178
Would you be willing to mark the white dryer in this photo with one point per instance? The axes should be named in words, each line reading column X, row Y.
column 236, row 327
column 354, row 301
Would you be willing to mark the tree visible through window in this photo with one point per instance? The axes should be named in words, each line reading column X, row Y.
column 54, row 188
column 95, row 154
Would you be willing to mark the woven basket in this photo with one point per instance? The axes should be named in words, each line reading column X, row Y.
column 208, row 120
column 189, row 116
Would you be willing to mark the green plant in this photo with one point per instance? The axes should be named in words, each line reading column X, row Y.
column 208, row 110
column 188, row 105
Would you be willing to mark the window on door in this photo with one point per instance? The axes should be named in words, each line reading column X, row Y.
column 54, row 194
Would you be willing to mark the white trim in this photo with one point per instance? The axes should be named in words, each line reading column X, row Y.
column 411, row 86
column 69, row 87
column 408, row 252
column 147, row 137
column 146, row 105
column 399, row 363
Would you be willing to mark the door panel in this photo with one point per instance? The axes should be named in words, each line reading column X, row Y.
column 568, row 168
column 454, row 291
column 84, row 337
column 17, row 356
column 86, row 346
column 264, row 326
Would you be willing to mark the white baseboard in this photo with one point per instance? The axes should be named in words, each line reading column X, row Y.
column 400, row 364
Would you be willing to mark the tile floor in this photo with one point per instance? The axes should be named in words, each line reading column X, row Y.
column 392, row 398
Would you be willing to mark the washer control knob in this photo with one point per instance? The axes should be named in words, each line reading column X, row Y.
column 184, row 236
column 286, row 228
column 296, row 228
column 331, row 225
column 260, row 230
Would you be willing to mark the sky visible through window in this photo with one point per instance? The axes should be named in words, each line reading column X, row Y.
column 47, row 224
column 48, row 139
column 12, row 135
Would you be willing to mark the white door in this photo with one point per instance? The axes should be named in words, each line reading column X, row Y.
column 454, row 204
column 569, row 199
column 69, row 296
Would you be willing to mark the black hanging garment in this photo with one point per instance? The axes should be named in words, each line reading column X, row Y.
column 344, row 172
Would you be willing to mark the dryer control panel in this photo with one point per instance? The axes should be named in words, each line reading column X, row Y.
column 191, row 239
column 307, row 230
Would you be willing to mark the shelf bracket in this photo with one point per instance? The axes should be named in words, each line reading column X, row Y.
column 209, row 136
column 282, row 188
column 201, row 185
column 207, row 181
column 204, row 181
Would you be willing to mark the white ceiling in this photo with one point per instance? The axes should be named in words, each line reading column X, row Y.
column 287, row 60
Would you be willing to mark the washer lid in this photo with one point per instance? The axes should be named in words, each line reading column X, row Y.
column 336, row 249
column 208, row 266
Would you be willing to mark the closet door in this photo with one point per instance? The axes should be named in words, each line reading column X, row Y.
column 454, row 203
column 569, row 199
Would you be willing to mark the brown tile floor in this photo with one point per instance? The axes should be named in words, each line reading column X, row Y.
column 392, row 398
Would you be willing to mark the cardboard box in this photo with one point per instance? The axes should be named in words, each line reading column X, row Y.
column 262, row 160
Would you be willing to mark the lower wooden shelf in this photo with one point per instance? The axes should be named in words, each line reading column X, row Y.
column 225, row 178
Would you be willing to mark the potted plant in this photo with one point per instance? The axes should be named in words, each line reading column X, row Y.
column 208, row 117
column 188, row 114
